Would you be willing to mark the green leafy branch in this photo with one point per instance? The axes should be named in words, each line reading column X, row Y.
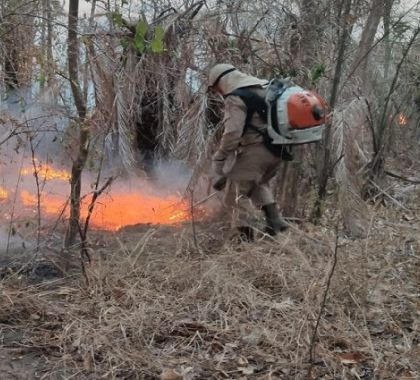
column 142, row 44
column 145, row 39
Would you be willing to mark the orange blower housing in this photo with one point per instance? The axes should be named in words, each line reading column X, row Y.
column 305, row 110
column 297, row 116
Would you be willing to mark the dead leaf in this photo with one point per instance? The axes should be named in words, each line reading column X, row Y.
column 282, row 306
column 242, row 362
column 217, row 346
column 88, row 362
column 408, row 218
column 248, row 370
column 255, row 337
column 407, row 375
column 118, row 293
column 350, row 357
column 65, row 291
column 171, row 374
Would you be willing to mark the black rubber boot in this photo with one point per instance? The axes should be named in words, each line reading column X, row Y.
column 275, row 223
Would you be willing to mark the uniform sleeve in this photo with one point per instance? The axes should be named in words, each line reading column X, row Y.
column 234, row 122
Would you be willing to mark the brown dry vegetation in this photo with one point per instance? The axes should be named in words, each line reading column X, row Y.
column 161, row 302
column 156, row 308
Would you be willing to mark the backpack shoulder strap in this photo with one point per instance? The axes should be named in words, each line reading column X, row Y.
column 254, row 103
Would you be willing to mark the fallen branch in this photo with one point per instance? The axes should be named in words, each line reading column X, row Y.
column 381, row 191
column 393, row 175
column 401, row 225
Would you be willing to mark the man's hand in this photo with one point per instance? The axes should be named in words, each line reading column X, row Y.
column 219, row 183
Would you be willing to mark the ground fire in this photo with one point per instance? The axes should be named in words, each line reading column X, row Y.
column 402, row 119
column 4, row 194
column 113, row 210
column 46, row 172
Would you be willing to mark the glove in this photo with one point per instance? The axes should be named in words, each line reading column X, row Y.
column 217, row 167
column 219, row 183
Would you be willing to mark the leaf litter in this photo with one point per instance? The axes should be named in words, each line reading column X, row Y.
column 229, row 312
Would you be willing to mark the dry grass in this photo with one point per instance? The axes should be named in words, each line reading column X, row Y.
column 157, row 309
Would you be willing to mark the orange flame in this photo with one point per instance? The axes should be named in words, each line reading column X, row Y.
column 4, row 194
column 46, row 172
column 51, row 204
column 118, row 211
column 111, row 212
column 128, row 209
column 402, row 119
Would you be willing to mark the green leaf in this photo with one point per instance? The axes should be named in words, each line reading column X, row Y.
column 117, row 18
column 160, row 32
column 157, row 43
column 142, row 28
column 157, row 46
column 139, row 44
column 42, row 79
column 139, row 38
column 124, row 42
column 318, row 72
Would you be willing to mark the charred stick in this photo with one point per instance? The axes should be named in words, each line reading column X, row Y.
column 193, row 223
column 38, row 192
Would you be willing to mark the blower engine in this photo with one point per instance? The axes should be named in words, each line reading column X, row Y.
column 295, row 115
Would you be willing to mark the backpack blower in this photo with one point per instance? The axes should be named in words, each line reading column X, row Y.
column 294, row 115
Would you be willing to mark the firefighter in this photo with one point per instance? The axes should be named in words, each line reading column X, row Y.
column 242, row 166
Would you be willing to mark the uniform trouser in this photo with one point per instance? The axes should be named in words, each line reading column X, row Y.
column 248, row 182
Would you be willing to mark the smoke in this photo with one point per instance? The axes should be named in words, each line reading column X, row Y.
column 27, row 120
column 11, row 245
column 173, row 175
column 37, row 136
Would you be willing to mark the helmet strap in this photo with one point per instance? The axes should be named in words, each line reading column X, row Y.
column 221, row 76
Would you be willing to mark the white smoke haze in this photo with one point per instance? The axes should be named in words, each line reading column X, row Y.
column 33, row 121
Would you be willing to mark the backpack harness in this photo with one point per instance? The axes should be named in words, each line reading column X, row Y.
column 255, row 103
column 293, row 115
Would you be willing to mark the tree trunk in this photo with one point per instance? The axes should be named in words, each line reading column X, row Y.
column 377, row 167
column 325, row 169
column 360, row 61
column 383, row 125
column 16, row 42
column 79, row 163
column 291, row 185
column 50, row 63
column 387, row 32
column 302, row 47
column 309, row 33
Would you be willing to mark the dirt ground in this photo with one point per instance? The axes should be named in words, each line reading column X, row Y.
column 159, row 302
